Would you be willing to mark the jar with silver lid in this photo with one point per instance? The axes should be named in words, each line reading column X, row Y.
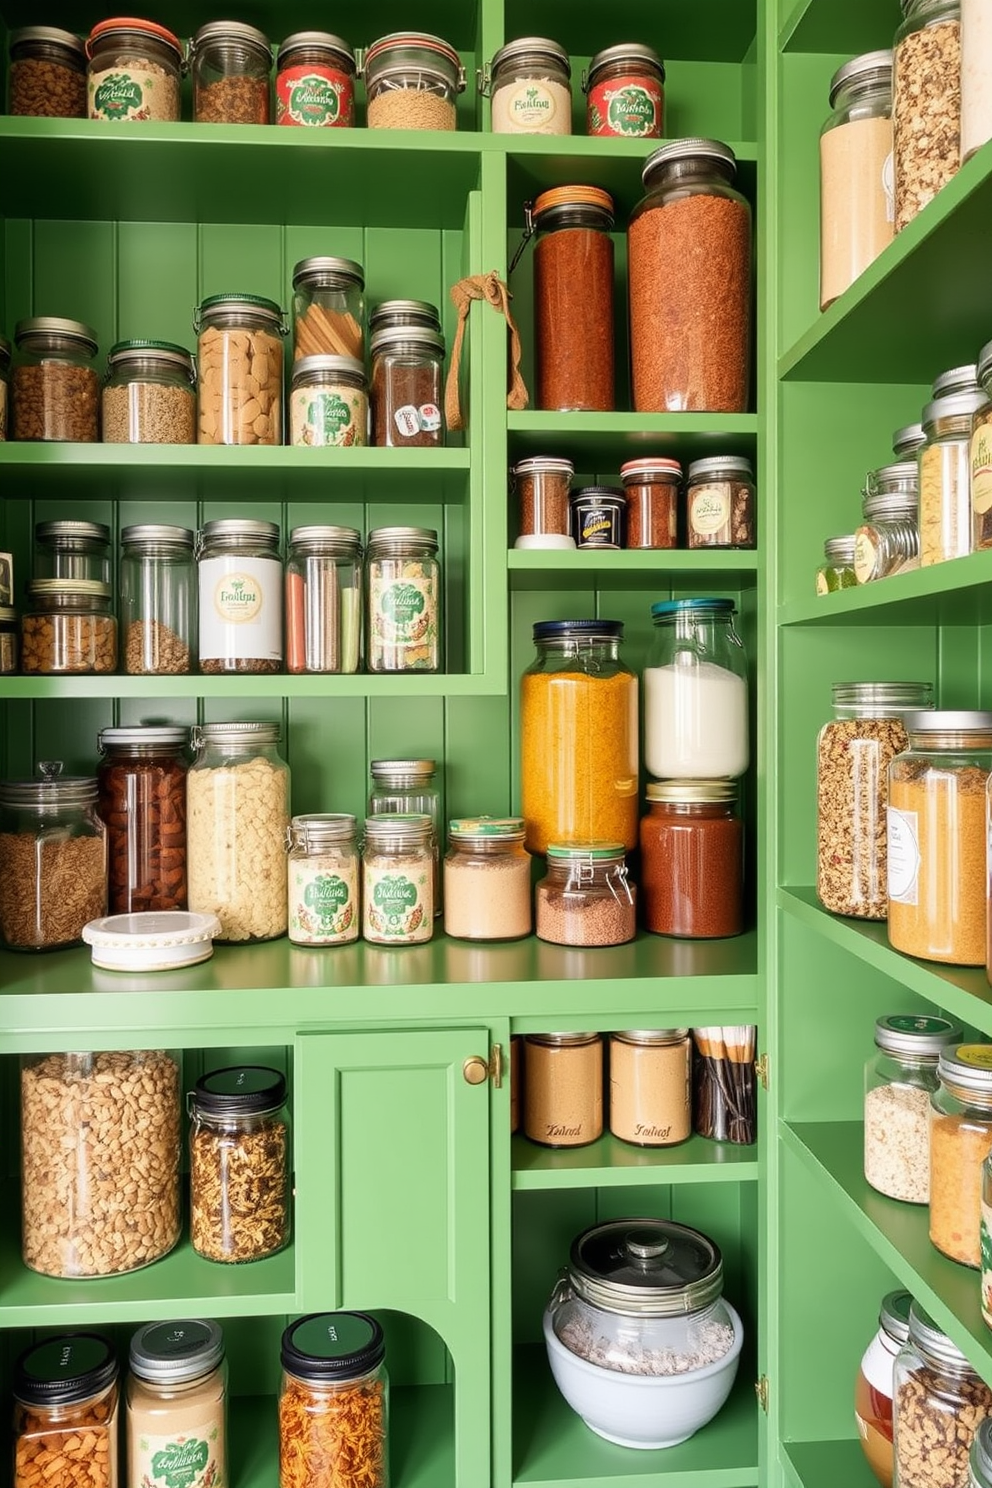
column 875, row 1385
column 47, row 73
column 239, row 355
column 981, row 457
column 856, row 193
column 837, row 569
column 945, row 472
column 408, row 785
column 625, row 92
column 177, row 1404
column 328, row 403
column 530, row 84
column 135, row 72
column 398, row 879
column 719, row 503
column 158, row 600
column 55, row 389
column 315, row 81
column 960, row 1141
column 239, row 1164
column 328, row 308
column 323, row 599
column 417, row 314
column 230, row 63
column 980, row 1458
column 71, row 548
column 900, row 1078
column 240, row 592
column 149, row 396
column 907, row 442
column 651, row 1086
column 403, row 600
column 67, row 627
column 324, row 867
column 926, row 103
column 541, row 484
column 888, row 540
column 142, row 782
column 412, row 80
column 53, row 859
column 939, row 1400
column 406, row 388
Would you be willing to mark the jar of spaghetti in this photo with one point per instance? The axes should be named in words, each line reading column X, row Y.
column 926, row 103
column 412, row 80
column 328, row 403
column 875, row 1385
column 135, row 71
column 625, row 92
column 856, row 188
column 960, row 1141
column 692, row 859
column 328, row 308
column 142, row 783
column 888, row 540
column 530, row 81
column 47, row 73
column 334, row 1400
column 573, row 298
column 315, row 81
column 324, row 871
column 651, row 1086
column 239, row 357
column 66, row 1400
column 719, row 503
column 945, row 474
column 323, row 600
column 406, row 388
column 563, row 1088
column 651, row 487
column 586, row 898
column 231, row 63
column 542, row 485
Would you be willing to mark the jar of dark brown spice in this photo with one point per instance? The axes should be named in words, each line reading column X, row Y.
column 573, row 298
column 406, row 388
column 719, row 503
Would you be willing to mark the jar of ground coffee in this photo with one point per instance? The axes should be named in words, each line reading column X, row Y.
column 406, row 388
column 563, row 1088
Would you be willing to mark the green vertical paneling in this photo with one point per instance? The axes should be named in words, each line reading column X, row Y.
column 478, row 779
column 309, row 242
column 325, row 748
column 18, row 272
column 403, row 265
column 87, row 292
column 242, row 259
column 161, row 257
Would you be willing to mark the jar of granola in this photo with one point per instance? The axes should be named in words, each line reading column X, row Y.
column 239, row 1164
column 134, row 74
column 926, row 103
column 65, row 1413
column 398, row 879
column 403, row 593
column 47, row 73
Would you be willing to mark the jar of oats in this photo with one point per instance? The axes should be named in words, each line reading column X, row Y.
column 239, row 1164
column 900, row 1078
column 324, row 871
column 65, row 1413
column 926, row 103
column 149, row 396
column 398, row 879
column 135, row 71
column 239, row 356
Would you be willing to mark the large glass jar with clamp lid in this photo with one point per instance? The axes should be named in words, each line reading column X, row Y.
column 695, row 692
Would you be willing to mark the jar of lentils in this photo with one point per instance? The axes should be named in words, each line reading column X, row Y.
column 530, row 83
column 149, row 396
column 315, row 81
column 134, row 74
column 328, row 308
column 231, row 63
column 239, row 1164
column 412, row 80
column 240, row 591
column 47, row 73
column 239, row 355
column 55, row 388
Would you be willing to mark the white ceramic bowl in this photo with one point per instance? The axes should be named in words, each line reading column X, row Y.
column 643, row 1410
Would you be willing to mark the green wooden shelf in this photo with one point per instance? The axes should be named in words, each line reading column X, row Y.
column 276, row 685
column 663, row 569
column 610, row 1163
column 958, row 592
column 840, row 26
column 606, row 440
column 826, row 1464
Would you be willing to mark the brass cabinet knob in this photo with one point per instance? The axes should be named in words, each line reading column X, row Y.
column 476, row 1069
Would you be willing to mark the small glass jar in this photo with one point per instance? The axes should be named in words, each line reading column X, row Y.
column 412, row 80
column 945, row 476
column 135, row 72
column 4, row 385
column 67, row 627
column 725, row 1084
column 406, row 388
column 239, row 356
column 72, row 549
column 586, row 899
column 976, row 77
column 487, row 880
column 980, row 1459
column 53, row 860
column 936, row 838
column 158, row 600
column 625, row 93
column 328, row 308
column 142, row 780
column 875, row 1386
column 55, row 390
column 328, row 403
column 240, row 583
column 237, row 794
column 939, row 1399
column 324, row 872
column 563, row 1088
column 692, row 859
column 573, row 298
column 398, row 879
column 403, row 599
column 598, row 517
column 888, row 540
column 323, row 600
column 926, row 103
column 10, row 630
column 907, row 443
column 960, row 1141
column 720, row 502
column 149, row 396
column 857, row 205
column 899, row 1081
column 239, row 1164
column 315, row 81
column 651, row 1086
column 334, row 1400
column 542, row 484
column 837, row 570
column 177, row 1404
column 530, row 84
column 66, row 1399
column 651, row 488
column 419, row 315
column 981, row 457
column 408, row 785
column 230, row 63
column 695, row 692
column 47, row 73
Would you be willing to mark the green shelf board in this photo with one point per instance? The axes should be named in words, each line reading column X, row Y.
column 841, row 26
column 662, row 569
column 611, row 1163
column 827, row 1464
column 958, row 592
column 277, row 685
column 603, row 441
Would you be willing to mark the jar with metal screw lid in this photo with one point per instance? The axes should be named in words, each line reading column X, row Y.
column 328, row 308
column 837, row 570
column 487, row 880
column 4, row 385
column 142, row 779
column 53, row 859
column 323, row 600
column 960, row 1141
column 149, row 396
column 856, row 187
column 907, row 442
column 328, row 402
column 409, row 785
column 67, row 627
column 875, row 1385
column 981, row 457
column 651, row 1086
column 573, row 298
column 586, row 899
column 406, row 388
column 530, row 83
column 692, row 859
column 239, row 355
column 240, row 584
column 888, row 540
column 563, row 1088
column 926, row 103
column 695, row 692
column 625, row 92
column 945, row 474
column 231, row 63
column 134, row 73
column 334, row 1394
column 324, row 864
column 417, row 314
column 398, row 879
column 541, row 484
column 719, row 503
column 412, row 80
column 66, row 1394
column 403, row 600
column 900, row 1078
column 651, row 488
column 177, row 1404
column 980, row 1457
column 315, row 81
column 158, row 600
column 939, row 1400
column 47, row 73
column 239, row 1164
column 70, row 548
column 55, row 390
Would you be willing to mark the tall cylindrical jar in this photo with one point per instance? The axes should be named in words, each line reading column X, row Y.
column 409, row 785
column 143, row 802
column 888, row 540
column 412, row 81
column 406, row 388
column 651, row 1086
column 315, row 81
column 857, row 203
column 695, row 692
column 939, row 1400
column 689, row 272
column 47, row 73
column 239, row 1164
column 625, row 92
column 487, row 892
column 530, row 84
column 323, row 599
column 334, row 1401
column 328, row 308
column 398, row 879
column 158, row 594
column 403, row 600
column 239, row 356
column 981, row 457
column 541, row 485
column 945, row 476
column 563, row 1088
column 900, row 1078
column 692, row 859
column 149, row 396
column 177, row 1404
column 240, row 584
column 573, row 298
column 976, row 76
column 231, row 63
column 55, row 389
column 324, row 873
column 926, row 103
column 875, row 1386
column 135, row 72
column 960, row 1141
column 53, row 860
column 66, row 1399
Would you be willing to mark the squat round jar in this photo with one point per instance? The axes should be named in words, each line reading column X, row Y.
column 398, row 879
column 53, row 860
column 231, row 63
column 47, row 73
column 134, row 74
column 651, row 488
column 487, row 880
column 695, row 692
column 651, row 1087
column 837, row 570
column 960, row 1141
column 625, row 93
column 70, row 548
column 563, row 1088
column 324, row 873
column 720, row 502
column 334, row 1400
column 177, row 1404
column 403, row 593
column 328, row 308
column 875, row 1386
column 158, row 600
column 55, row 389
column 149, row 396
column 692, row 859
column 573, row 298
column 67, row 628
column 315, row 81
column 240, row 582
column 239, row 355
column 412, row 80
column 888, row 540
column 142, row 780
column 239, row 1164
column 586, row 899
column 530, row 83
column 900, row 1078
column 907, row 443
column 66, row 1393
column 328, row 402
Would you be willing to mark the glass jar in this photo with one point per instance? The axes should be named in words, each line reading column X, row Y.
column 725, row 1083
column 406, row 388
column 719, row 503
column 55, row 390
column 239, row 355
column 837, row 571
column 142, row 782
column 334, row 1400
column 939, row 1399
column 417, row 314
column 926, row 103
column 960, row 1141
column 899, row 1081
column 586, row 898
column 328, row 308
column 936, row 838
column 888, row 540
column 411, row 82
column 857, row 204
column 177, row 1404
column 99, row 1161
column 4, row 385
column 541, row 484
column 239, row 1164
column 9, row 633
column 945, row 476
column 578, row 736
column 240, row 584
column 651, row 488
column 598, row 516
column 149, row 396
column 53, row 857
column 853, row 754
column 573, row 298
column 158, row 600
column 981, row 457
column 47, row 73
column 625, row 93
column 408, row 785
column 323, row 600
column 530, row 83
column 135, row 72
column 315, row 81
column 875, row 1386
column 237, row 794
column 71, row 549
column 403, row 597
column 907, row 442
column 328, row 402
column 689, row 274
column 398, row 878
column 651, row 1086
column 66, row 1398
column 563, row 1088
column 67, row 627
column 487, row 880
column 231, row 63
column 324, row 864
column 695, row 692
column 985, row 1241
column 976, row 77
column 692, row 859
column 980, row 1459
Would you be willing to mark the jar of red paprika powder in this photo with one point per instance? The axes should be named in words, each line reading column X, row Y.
column 625, row 93
column 573, row 298
column 315, row 81
column 692, row 862
column 651, row 487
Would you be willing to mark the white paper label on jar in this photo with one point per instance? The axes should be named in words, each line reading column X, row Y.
column 709, row 509
column 986, row 1247
column 240, row 609
column 533, row 106
column 407, row 421
column 904, row 855
column 864, row 555
column 878, row 1367
column 822, row 587
column 981, row 469
column 430, row 417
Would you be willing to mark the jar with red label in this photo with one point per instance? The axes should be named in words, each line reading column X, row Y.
column 625, row 92
column 315, row 81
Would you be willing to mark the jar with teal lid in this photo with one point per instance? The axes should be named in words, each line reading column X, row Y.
column 334, row 1393
column 695, row 692
column 487, row 879
column 239, row 356
column 900, row 1078
column 875, row 1385
column 586, row 898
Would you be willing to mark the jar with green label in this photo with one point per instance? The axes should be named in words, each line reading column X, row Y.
column 398, row 879
column 888, row 540
column 323, row 879
column 981, row 457
column 177, row 1405
column 135, row 72
column 403, row 590
column 328, row 403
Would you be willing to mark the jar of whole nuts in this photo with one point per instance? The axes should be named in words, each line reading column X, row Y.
column 53, row 860
column 239, row 1164
column 328, row 403
column 142, row 780
column 231, row 63
column 47, row 73
column 149, row 396
column 719, row 503
column 328, row 308
column 239, row 355
column 411, row 81
column 939, row 1402
column 135, row 71
column 65, row 1413
column 55, row 389
column 67, row 627
column 158, row 600
column 315, row 81
column 240, row 587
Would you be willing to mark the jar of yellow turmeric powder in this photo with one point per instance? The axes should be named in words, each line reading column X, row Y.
column 578, row 736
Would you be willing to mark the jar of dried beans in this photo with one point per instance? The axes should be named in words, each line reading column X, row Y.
column 142, row 781
column 65, row 1413
column 135, row 71
column 530, row 82
column 837, row 570
column 53, row 860
column 323, row 599
column 856, row 187
column 47, row 73
column 403, row 594
column 55, row 390
column 324, row 872
column 689, row 272
column 926, row 103
column 936, row 837
column 68, row 548
column 960, row 1141
column 487, row 880
column 407, row 785
column 939, row 1402
column 563, row 1088
column 239, row 356
column 412, row 80
column 67, row 627
column 899, row 1080
column 578, row 736
column 177, row 1405
column 981, row 457
column 231, row 63
column 719, row 503
column 586, row 898
column 651, row 487
column 945, row 475
column 875, row 1386
column 888, row 540
column 158, row 600
column 650, row 1086
column 692, row 859
column 541, row 484
column 695, row 692
column 625, row 93
column 334, row 1402
column 573, row 298
column 406, row 388
column 328, row 403
column 398, row 878
column 240, row 584
column 315, row 81
column 239, row 1164
column 328, row 308
column 149, row 396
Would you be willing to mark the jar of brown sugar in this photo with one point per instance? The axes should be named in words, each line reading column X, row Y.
column 625, row 92
column 412, row 80
column 719, row 503
column 960, row 1141
column 563, row 1088
column 315, row 81
column 142, row 781
column 586, row 898
column 542, row 485
column 692, row 859
column 651, row 487
column 231, row 63
column 55, row 388
column 650, row 1086
column 573, row 298
column 406, row 388
column 47, row 73
column 67, row 627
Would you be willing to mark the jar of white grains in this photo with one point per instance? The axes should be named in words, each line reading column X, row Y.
column 900, row 1078
column 487, row 880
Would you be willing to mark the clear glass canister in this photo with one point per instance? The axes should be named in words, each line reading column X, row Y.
column 695, row 692
column 334, row 1401
column 4, row 385
column 323, row 600
column 625, row 93
column 960, row 1141
column 939, row 1401
column 239, row 1164
column 720, row 503
column 55, row 389
column 837, row 570
column 651, row 487
column 149, row 396
column 573, row 298
column 651, row 1086
column 579, row 736
column 328, row 402
column 398, row 879
column 888, row 540
column 409, row 785
column 99, row 1161
column 158, row 597
column 66, row 1400
column 324, row 873
column 135, row 72
column 857, row 204
column 237, row 794
column 53, row 860
column 530, row 84
column 328, row 308
column 900, row 1078
column 67, row 627
column 936, row 838
column 976, row 77
column 412, row 80
column 853, row 754
column 563, row 1088
column 541, row 484
column 406, row 388
column 417, row 314
column 907, row 442
column 10, row 630
column 47, row 73
column 240, row 581
column 945, row 476
column 403, row 599
column 980, row 1459
column 875, row 1386
column 231, row 63
column 689, row 273
column 142, row 779
column 487, row 880
column 239, row 357
column 315, row 81
column 692, row 859
column 586, row 898
column 981, row 457
column 72, row 549
column 177, row 1405
column 926, row 103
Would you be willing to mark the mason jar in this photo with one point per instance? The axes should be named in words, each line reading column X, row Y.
column 625, row 92
column 239, row 1184
column 409, row 785
column 158, row 600
column 651, row 488
column 926, row 103
column 398, row 879
column 563, row 1088
column 240, row 583
column 960, row 1141
column 135, row 72
column 541, row 484
column 945, row 476
column 857, row 203
column 695, row 692
column 239, row 356
column 875, row 1386
column 70, row 548
column 334, row 1394
column 328, row 308
column 55, row 389
column 692, row 859
column 837, row 570
column 407, row 391
column 888, row 540
column 324, row 871
column 47, row 73
column 573, row 298
column 315, row 81
column 529, row 81
column 177, row 1404
column 149, row 396
column 403, row 600
column 900, row 1078
column 53, row 859
column 487, row 880
column 230, row 63
column 586, row 899
column 981, row 457
column 720, row 502
column 412, row 80
column 418, row 315
column 323, row 600
column 907, row 442
column 67, row 627
column 142, row 783
column 328, row 403
column 939, row 1399
column 651, row 1086
column 65, row 1393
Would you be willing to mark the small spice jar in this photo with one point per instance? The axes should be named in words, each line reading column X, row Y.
column 695, row 692
column 541, row 484
column 530, row 83
column 720, row 502
column 586, row 898
column 900, row 1078
column 981, row 457
column 406, row 388
column 67, row 627
column 487, row 880
column 239, row 1164
column 651, row 489
column 239, row 355
column 142, row 781
column 976, row 77
column 563, row 1088
column 398, row 879
column 411, row 81
column 692, row 859
column 907, row 443
column 4, row 385
column 240, row 584
column 158, row 600
column 573, row 298
column 47, row 73
column 926, row 103
column 324, row 864
column 328, row 308
column 53, row 857
column 230, row 63
column 651, row 1086
column 55, row 390
column 65, row 1412
column 328, row 402
column 176, row 1425
column 323, row 600
column 875, row 1386
column 408, row 785
column 945, row 474
column 134, row 73
column 939, row 1399
column 315, row 81
column 149, row 396
column 837, row 569
column 69, row 548
column 403, row 595
column 625, row 92
column 334, row 1400
column 598, row 517
column 980, row 1458
column 960, row 1141
column 856, row 187
column 9, row 632
column 888, row 540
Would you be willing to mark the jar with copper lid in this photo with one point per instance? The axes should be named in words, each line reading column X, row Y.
column 651, row 1086
column 692, row 859
column 66, row 1393
column 651, row 487
column 135, row 71
column 573, row 298
column 875, row 1385
column 47, row 73
column 315, row 81
column 625, row 92
column 231, row 63
column 412, row 80
column 142, row 781
column 530, row 83
column 563, row 1088
column 239, row 1164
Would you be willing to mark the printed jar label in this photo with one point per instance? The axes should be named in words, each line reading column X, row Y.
column 981, row 468
column 119, row 96
column 327, row 416
column 865, row 555
column 904, row 855
column 630, row 107
column 822, row 587
column 320, row 98
column 399, row 903
column 531, row 107
column 323, row 903
column 404, row 611
column 986, row 1243
column 240, row 609
column 411, row 420
column 192, row 1460
column 709, row 510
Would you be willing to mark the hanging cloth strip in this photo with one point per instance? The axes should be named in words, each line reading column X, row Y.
column 488, row 287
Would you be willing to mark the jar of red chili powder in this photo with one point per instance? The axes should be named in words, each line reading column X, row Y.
column 315, row 81
column 625, row 92
column 573, row 298
column 651, row 487
column 692, row 861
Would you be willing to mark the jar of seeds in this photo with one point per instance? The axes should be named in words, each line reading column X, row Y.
column 149, row 396
column 230, row 63
column 586, row 898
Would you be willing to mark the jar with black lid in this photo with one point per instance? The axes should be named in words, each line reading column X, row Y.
column 231, row 63
column 66, row 1394
column 598, row 516
column 72, row 548
column 335, row 1390
column 149, row 396
column 240, row 591
column 53, row 859
column 315, row 81
column 406, row 388
column 47, row 73
column 529, row 80
column 328, row 308
column 135, row 71
column 625, row 92
column 239, row 1164
column 157, row 600
column 55, row 388
column 573, row 298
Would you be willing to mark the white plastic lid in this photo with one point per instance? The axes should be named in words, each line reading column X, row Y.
column 151, row 940
column 545, row 540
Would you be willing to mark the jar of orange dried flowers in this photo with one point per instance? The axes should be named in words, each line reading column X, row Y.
column 334, row 1403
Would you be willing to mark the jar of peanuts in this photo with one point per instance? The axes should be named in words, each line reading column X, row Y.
column 231, row 63
column 65, row 1413
column 315, row 81
column 239, row 355
column 142, row 782
column 412, row 80
column 47, row 73
column 328, row 308
column 135, row 72
column 55, row 388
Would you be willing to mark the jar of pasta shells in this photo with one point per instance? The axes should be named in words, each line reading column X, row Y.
column 239, row 1164
column 239, row 356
